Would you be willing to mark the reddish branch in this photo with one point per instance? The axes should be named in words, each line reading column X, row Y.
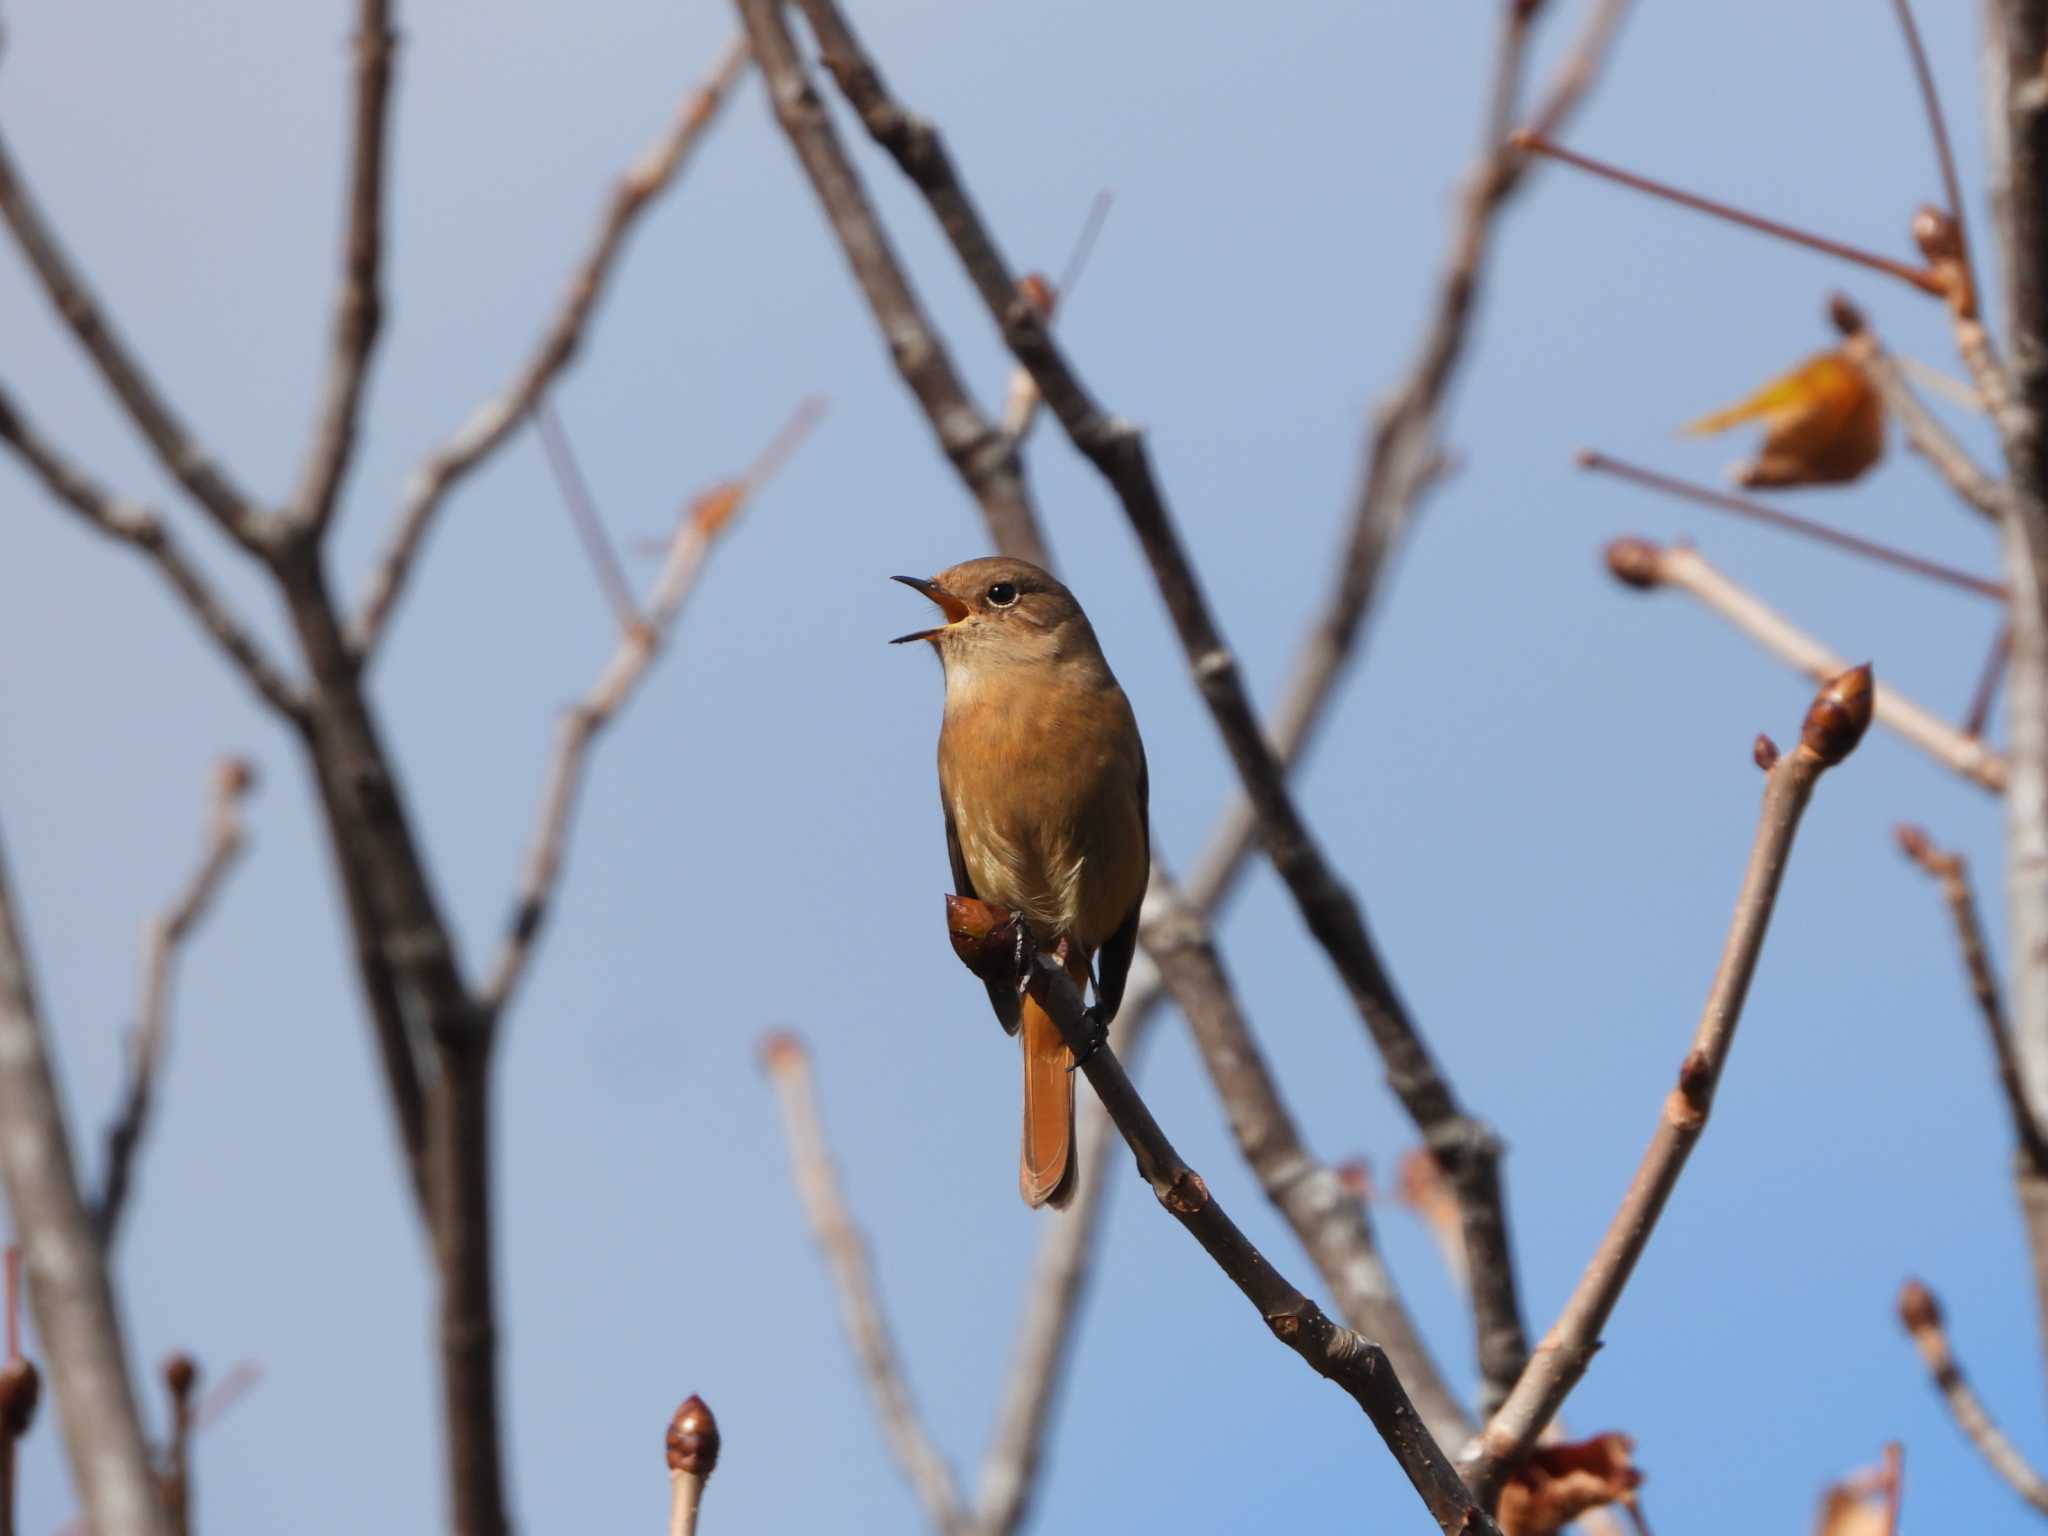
column 1840, row 714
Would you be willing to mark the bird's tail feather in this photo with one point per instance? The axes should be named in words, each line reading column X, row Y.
column 1050, row 1166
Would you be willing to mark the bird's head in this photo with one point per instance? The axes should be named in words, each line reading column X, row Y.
column 1000, row 611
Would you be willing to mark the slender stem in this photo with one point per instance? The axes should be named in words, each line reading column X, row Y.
column 597, row 545
column 1919, row 277
column 1986, row 692
column 1834, row 724
column 1937, row 127
column 1920, row 1313
column 1792, row 522
column 1924, row 432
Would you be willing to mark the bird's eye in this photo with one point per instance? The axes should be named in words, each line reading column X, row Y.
column 1001, row 595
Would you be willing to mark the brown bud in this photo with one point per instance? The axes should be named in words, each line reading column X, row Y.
column 1840, row 715
column 1634, row 562
column 1935, row 233
column 779, row 1050
column 693, row 1438
column 234, row 777
column 1844, row 314
column 1918, row 1309
column 1913, row 843
column 181, row 1375
column 1036, row 290
column 985, row 938
column 715, row 508
column 20, row 1387
column 1765, row 751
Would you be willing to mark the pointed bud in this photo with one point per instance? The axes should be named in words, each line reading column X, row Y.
column 20, row 1388
column 181, row 1375
column 692, row 1440
column 779, row 1050
column 1913, row 843
column 1840, row 715
column 1918, row 1309
column 1765, row 751
column 1635, row 562
column 1847, row 318
column 1936, row 235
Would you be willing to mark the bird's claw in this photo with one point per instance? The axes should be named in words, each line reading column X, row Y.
column 1098, row 1036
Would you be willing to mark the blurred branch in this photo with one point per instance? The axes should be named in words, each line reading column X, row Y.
column 1924, row 432
column 1647, row 566
column 987, row 941
column 181, row 1381
column 697, row 529
column 358, row 305
column 21, row 1387
column 817, row 1185
column 1836, row 721
column 1978, row 718
column 143, row 529
column 490, row 423
column 692, row 1445
column 161, row 936
column 176, row 449
column 984, row 459
column 1920, row 1313
column 67, row 1273
column 1467, row 1148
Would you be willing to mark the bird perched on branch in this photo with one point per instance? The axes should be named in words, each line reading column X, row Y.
column 1042, row 781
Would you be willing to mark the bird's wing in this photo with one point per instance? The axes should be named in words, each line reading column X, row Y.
column 1113, row 960
column 1001, row 995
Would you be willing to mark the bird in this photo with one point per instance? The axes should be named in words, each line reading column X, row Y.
column 1043, row 785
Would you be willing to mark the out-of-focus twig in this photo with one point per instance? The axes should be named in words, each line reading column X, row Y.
column 181, row 1383
column 1647, row 566
column 1835, row 722
column 1920, row 1314
column 1977, row 719
column 20, row 1388
column 583, row 514
column 232, row 778
column 490, row 423
column 824, row 1201
column 698, row 526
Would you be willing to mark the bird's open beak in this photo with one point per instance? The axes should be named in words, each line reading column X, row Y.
column 951, row 606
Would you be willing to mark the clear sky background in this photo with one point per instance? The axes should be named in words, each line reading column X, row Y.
column 1539, row 783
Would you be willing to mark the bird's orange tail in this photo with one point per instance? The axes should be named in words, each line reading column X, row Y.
column 1050, row 1167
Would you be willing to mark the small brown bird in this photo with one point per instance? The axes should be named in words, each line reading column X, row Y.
column 1042, row 781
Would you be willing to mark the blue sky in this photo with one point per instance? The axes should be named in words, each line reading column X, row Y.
column 1539, row 783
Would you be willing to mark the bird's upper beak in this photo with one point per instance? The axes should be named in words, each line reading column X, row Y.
column 951, row 606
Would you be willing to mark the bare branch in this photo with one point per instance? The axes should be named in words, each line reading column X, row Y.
column 161, row 936
column 988, row 946
column 358, row 305
column 817, row 1186
column 697, row 529
column 1920, row 1313
column 1978, row 717
column 575, row 490
column 141, row 528
column 692, row 1445
column 1647, row 566
column 984, row 459
column 1834, row 724
column 68, row 1287
column 490, row 423
column 179, row 452
column 1924, row 432
column 1468, row 1149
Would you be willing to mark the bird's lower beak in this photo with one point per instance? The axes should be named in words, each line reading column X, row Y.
column 951, row 606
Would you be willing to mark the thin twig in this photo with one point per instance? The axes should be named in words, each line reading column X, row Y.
column 490, row 423
column 68, row 1286
column 179, row 452
column 143, row 529
column 1920, row 1313
column 1468, row 1149
column 1355, row 1364
column 161, row 936
column 1924, row 432
column 1985, row 694
column 1021, row 402
column 1642, row 564
column 697, row 528
column 1792, row 522
column 1839, row 715
column 824, row 1201
column 597, row 545
column 1919, row 277
column 358, row 303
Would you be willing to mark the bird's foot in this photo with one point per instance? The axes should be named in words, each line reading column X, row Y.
column 1098, row 1036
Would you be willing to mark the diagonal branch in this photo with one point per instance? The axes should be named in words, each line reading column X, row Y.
column 490, row 423
column 161, row 936
column 1840, row 714
column 176, row 448
column 143, row 529
column 1646, row 566
column 1920, row 1314
column 979, row 452
column 817, row 1185
column 988, row 945
column 1467, row 1149
column 358, row 305
column 697, row 529
column 68, row 1288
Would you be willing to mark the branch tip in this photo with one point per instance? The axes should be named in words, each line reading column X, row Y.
column 692, row 1441
column 1634, row 562
column 1840, row 715
column 1919, row 1310
column 1845, row 316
